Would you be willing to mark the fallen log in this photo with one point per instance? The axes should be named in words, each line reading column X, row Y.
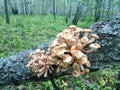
column 14, row 71
column 109, row 53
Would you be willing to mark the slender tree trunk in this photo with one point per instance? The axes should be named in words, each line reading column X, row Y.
column 109, row 4
column 66, row 10
column 98, row 10
column 54, row 13
column 78, row 14
column 6, row 11
column 103, row 10
column 70, row 10
column 85, row 13
column 25, row 4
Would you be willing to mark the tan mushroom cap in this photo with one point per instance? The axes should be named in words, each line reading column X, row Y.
column 67, row 36
column 87, row 30
column 78, row 29
column 84, row 39
column 76, row 73
column 67, row 59
column 95, row 36
column 78, row 46
column 37, row 51
column 82, row 60
column 76, row 66
column 59, row 51
column 88, row 64
column 77, row 54
column 72, row 27
column 95, row 45
column 85, row 71
column 64, row 65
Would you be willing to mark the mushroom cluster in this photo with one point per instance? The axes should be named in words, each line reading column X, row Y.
column 70, row 48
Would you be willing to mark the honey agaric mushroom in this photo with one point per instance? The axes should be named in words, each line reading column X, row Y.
column 67, row 59
column 76, row 66
column 92, row 48
column 65, row 51
column 76, row 73
column 95, row 45
column 77, row 54
column 86, row 32
column 77, row 32
column 84, row 40
column 94, row 37
column 85, row 71
column 82, row 60
column 72, row 27
column 60, row 50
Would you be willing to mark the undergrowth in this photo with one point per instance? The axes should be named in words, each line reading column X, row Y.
column 25, row 32
column 104, row 79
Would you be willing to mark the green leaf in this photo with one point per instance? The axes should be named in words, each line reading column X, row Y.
column 77, row 88
column 102, row 83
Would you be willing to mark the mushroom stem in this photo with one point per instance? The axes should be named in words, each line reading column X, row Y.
column 85, row 34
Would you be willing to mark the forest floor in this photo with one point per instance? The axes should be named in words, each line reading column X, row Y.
column 25, row 32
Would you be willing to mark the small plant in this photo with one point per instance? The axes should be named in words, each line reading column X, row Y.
column 68, row 49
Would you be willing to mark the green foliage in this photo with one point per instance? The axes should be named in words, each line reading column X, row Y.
column 28, row 31
column 48, row 85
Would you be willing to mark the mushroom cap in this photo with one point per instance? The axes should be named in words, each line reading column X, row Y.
column 84, row 39
column 82, row 60
column 78, row 29
column 51, row 59
column 85, row 71
column 72, row 27
column 77, row 54
column 76, row 66
column 95, row 45
column 67, row 36
column 87, row 30
column 78, row 46
column 73, row 48
column 95, row 36
column 60, row 50
column 76, row 73
column 63, row 64
column 67, row 59
column 77, row 32
column 37, row 51
column 88, row 64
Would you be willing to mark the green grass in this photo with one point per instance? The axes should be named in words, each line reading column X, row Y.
column 24, row 32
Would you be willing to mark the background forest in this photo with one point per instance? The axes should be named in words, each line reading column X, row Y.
column 27, row 23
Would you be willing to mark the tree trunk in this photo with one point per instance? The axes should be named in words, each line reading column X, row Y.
column 78, row 14
column 26, row 9
column 98, row 10
column 6, row 11
column 85, row 13
column 66, row 11
column 54, row 12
